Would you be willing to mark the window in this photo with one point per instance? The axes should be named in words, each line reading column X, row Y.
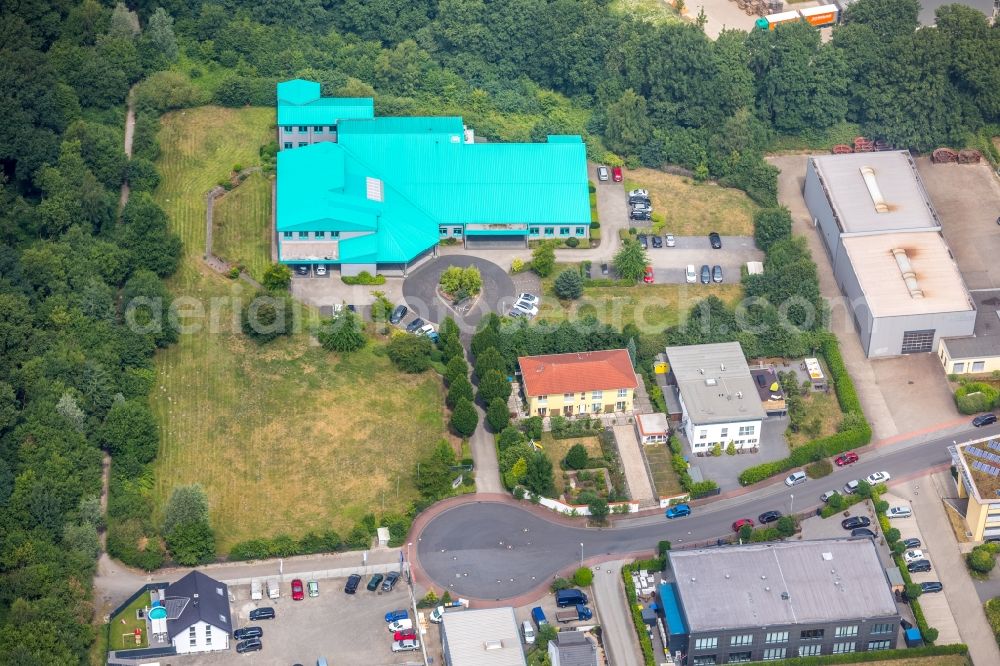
column 533, row 231
column 809, row 650
column 883, row 628
column 595, row 408
column 704, row 660
column 208, row 634
column 542, row 411
column 724, row 433
column 746, row 430
column 568, row 396
column 776, row 637
column 581, row 231
column 549, row 231
column 320, row 234
column 622, row 393
column 846, row 632
column 318, row 128
column 702, row 434
column 583, row 396
column 303, row 235
column 303, row 144
column 457, row 231
column 287, row 234
column 288, row 144
column 978, row 366
column 334, row 234
column 957, row 368
column 597, row 395
column 811, row 635
column 771, row 654
column 543, row 398
column 843, row 648
column 443, row 231
column 738, row 657
column 192, row 636
column 706, row 643
column 917, row 341
column 331, row 128
column 879, row 645
column 745, row 639
column 288, row 128
column 564, row 231
column 303, row 129
column 620, row 406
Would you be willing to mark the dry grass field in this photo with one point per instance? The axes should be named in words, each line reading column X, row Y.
column 694, row 209
column 238, row 237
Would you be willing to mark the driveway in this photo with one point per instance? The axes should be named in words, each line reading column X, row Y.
column 725, row 469
column 617, row 631
column 670, row 263
column 324, row 292
column 634, row 465
column 420, row 290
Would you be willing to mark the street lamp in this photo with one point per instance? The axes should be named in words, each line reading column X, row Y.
column 581, row 554
column 791, row 509
column 409, row 579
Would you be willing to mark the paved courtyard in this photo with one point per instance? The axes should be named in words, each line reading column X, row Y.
column 420, row 290
column 670, row 263
column 725, row 469
column 634, row 465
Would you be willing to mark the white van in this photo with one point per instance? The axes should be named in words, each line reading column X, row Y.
column 691, row 276
column 256, row 590
column 273, row 588
column 529, row 632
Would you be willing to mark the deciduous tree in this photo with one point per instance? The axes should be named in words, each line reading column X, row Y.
column 630, row 261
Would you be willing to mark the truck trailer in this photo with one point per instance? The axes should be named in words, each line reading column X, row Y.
column 578, row 612
column 817, row 17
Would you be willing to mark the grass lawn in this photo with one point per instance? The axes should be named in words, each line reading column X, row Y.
column 126, row 623
column 654, row 11
column 651, row 307
column 556, row 450
column 818, row 405
column 238, row 237
column 943, row 660
column 694, row 209
column 665, row 481
column 285, row 438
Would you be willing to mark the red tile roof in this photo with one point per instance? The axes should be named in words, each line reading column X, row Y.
column 552, row 374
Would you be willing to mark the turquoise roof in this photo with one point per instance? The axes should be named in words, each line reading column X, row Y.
column 299, row 103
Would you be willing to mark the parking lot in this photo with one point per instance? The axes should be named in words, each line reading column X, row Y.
column 346, row 629
column 670, row 263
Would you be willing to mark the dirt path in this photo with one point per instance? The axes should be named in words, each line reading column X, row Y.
column 129, row 134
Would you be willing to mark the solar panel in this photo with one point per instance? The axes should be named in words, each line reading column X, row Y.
column 976, row 464
column 993, row 444
column 973, row 450
column 994, row 471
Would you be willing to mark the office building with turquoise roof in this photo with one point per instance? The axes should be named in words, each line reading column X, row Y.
column 379, row 194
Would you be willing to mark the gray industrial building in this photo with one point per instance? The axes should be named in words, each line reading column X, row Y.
column 901, row 284
column 484, row 637
column 770, row 601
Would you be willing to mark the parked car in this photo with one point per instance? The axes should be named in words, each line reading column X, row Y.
column 406, row 634
column 352, row 583
column 400, row 625
column 249, row 645
column 538, row 615
column 877, row 477
column 415, row 325
column 648, row 275
column 657, row 242
column 670, row 240
column 639, row 193
column 899, row 512
column 390, row 581
column 863, row 532
column 643, row 241
column 795, row 478
column 828, row 495
column 911, row 543
column 738, row 525
column 690, row 276
column 848, row 458
column 398, row 314
column 931, row 586
column 320, row 270
column 313, row 588
column 265, row 613
column 855, row 522
column 525, row 308
column 715, row 240
column 913, row 555
column 248, row 632
column 394, row 615
column 602, row 173
column 301, row 269
column 920, row 566
column 374, row 582
column 706, row 274
column 851, row 487
column 678, row 511
column 717, row 273
column 640, row 216
column 604, row 269
column 768, row 517
column 409, row 645
column 984, row 420
column 528, row 632
column 529, row 298
column 642, row 207
column 616, row 174
column 298, row 590
column 638, row 198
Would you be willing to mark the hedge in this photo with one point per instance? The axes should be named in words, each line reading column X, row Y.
column 992, row 609
column 365, row 278
column 975, row 397
column 640, row 627
column 695, row 488
column 878, row 655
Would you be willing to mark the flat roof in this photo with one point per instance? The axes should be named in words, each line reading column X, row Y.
column 985, row 339
column 715, row 383
column 483, row 637
column 827, row 580
column 977, row 460
column 652, row 424
column 935, row 285
column 908, row 206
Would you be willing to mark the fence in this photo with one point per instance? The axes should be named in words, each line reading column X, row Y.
column 148, row 587
column 145, row 653
column 578, row 509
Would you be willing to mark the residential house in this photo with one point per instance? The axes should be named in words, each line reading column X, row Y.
column 979, row 353
column 572, row 648
column 652, row 428
column 579, row 383
column 198, row 618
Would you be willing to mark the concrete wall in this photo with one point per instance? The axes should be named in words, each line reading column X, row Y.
column 822, row 211
column 887, row 332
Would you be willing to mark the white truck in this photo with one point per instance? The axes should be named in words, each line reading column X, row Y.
column 273, row 588
column 256, row 589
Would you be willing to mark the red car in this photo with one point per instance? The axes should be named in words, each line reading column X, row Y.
column 648, row 277
column 741, row 522
column 298, row 593
column 405, row 635
column 846, row 459
column 616, row 174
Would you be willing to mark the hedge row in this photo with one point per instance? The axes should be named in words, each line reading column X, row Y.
column 645, row 643
column 928, row 633
column 878, row 655
column 364, row 278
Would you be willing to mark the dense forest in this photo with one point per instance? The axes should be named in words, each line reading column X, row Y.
column 75, row 270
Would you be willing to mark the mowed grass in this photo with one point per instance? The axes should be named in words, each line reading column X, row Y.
column 556, row 450
column 238, row 237
column 665, row 481
column 126, row 623
column 651, row 307
column 285, row 438
column 694, row 209
column 653, row 11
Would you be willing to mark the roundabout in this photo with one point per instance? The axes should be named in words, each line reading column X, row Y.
column 421, row 294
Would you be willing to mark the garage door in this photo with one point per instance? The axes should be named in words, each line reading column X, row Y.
column 495, row 242
column 916, row 342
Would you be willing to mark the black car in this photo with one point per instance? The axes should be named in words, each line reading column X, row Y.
column 302, row 269
column 657, row 241
column 390, row 581
column 250, row 645
column 604, row 269
column 352, row 583
column 863, row 532
column 919, row 566
column 375, row 581
column 717, row 273
column 715, row 240
column 638, row 200
column 706, row 274
column 984, row 420
column 911, row 543
column 415, row 325
column 855, row 522
column 266, row 613
column 398, row 314
column 931, row 586
column 248, row 632
column 639, row 215
column 643, row 241
column 768, row 517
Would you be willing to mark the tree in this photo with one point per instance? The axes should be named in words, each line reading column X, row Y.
column 457, row 367
column 786, row 526
column 267, row 317
column 141, row 175
column 888, row 19
column 410, row 353
column 583, row 577
column 342, row 333
column 191, row 543
column 144, row 232
column 497, row 414
column 770, row 225
column 433, row 472
column 543, row 259
column 628, row 128
column 912, row 591
column 124, row 23
column 516, row 473
column 509, row 436
column 745, row 532
column 130, row 434
column 187, row 504
column 538, row 478
column 532, row 427
column 980, row 560
column 459, row 389
column 277, row 277
column 493, row 385
column 577, row 457
column 569, row 284
column 489, row 359
column 69, row 410
column 464, row 418
column 598, row 510
column 160, row 35
column 630, row 261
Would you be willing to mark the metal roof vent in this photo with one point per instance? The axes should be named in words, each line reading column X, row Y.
column 493, row 645
column 868, row 174
column 906, row 269
column 710, row 381
column 785, row 596
column 827, row 556
column 722, row 366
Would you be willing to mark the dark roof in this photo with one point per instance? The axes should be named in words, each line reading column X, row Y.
column 985, row 341
column 194, row 598
column 575, row 649
column 763, row 379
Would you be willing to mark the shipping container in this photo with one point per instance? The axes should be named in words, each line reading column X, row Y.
column 822, row 16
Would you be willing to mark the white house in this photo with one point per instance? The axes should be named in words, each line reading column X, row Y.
column 652, row 428
column 198, row 618
column 718, row 397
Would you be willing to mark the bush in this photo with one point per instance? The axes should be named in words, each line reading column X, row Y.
column 569, row 284
column 464, row 418
column 561, row 584
column 363, row 278
column 576, row 457
column 583, row 577
column 455, row 280
column 992, row 608
column 572, row 241
column 786, row 526
column 975, row 397
column 517, row 265
column 771, row 225
column 410, row 353
column 497, row 415
column 980, row 560
column 662, row 547
column 543, row 259
column 599, row 509
column 819, row 469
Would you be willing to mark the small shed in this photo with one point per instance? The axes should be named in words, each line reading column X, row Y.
column 383, row 536
column 755, row 268
column 815, row 370
column 652, row 428
column 896, row 583
column 912, row 637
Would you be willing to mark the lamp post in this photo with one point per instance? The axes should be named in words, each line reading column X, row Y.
column 791, row 505
column 581, row 554
column 409, row 579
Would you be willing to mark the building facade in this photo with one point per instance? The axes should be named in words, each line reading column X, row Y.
column 978, row 465
column 579, row 383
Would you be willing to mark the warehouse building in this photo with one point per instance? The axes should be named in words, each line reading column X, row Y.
column 482, row 637
column 763, row 602
column 900, row 281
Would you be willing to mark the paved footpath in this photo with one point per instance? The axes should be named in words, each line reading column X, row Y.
column 639, row 485
column 617, row 630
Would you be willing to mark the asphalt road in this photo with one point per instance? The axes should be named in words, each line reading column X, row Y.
column 495, row 551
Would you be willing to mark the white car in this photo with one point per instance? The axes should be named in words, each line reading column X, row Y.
column 437, row 615
column 670, row 240
column 526, row 308
column 320, row 269
column 691, row 276
column 426, row 329
column 899, row 512
column 602, row 173
column 639, row 193
column 529, row 632
column 400, row 625
column 408, row 645
column 913, row 556
column 529, row 298
column 877, row 477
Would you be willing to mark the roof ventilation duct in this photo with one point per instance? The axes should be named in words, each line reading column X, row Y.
column 871, row 183
column 906, row 270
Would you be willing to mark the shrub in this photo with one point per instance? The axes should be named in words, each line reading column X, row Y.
column 561, row 584
column 975, row 397
column 819, row 469
column 497, row 415
column 277, row 277
column 464, row 418
column 410, row 353
column 516, row 266
column 572, row 241
column 583, row 577
column 662, row 547
column 599, row 509
column 363, row 278
column 576, row 457
column 595, row 225
column 786, row 526
column 980, row 560
column 543, row 259
column 770, row 225
column 455, row 280
column 569, row 284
